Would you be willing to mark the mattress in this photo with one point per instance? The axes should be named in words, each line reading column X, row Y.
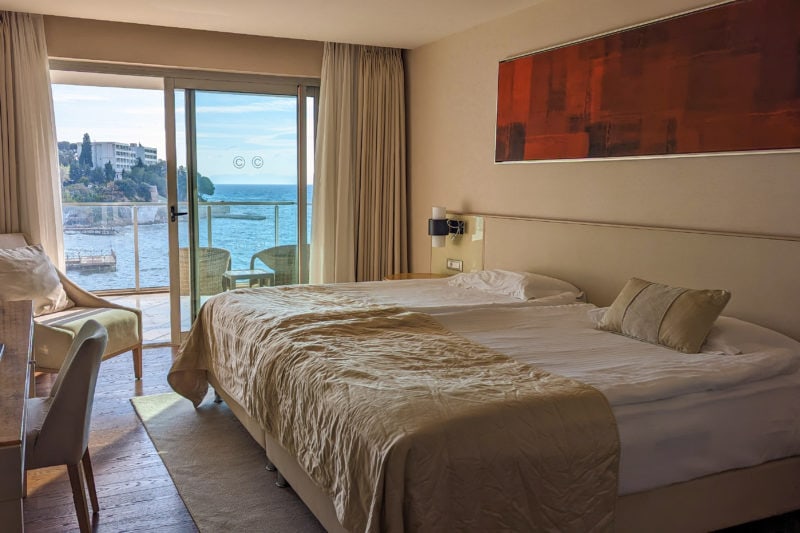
column 679, row 416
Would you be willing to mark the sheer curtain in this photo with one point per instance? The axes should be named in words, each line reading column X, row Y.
column 359, row 208
column 30, row 193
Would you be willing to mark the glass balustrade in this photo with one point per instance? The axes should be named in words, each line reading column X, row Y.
column 123, row 246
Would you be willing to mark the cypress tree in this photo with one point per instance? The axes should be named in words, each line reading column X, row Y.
column 86, row 152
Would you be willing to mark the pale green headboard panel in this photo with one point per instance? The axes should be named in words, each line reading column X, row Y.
column 467, row 248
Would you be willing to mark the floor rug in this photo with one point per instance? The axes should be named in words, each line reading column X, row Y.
column 219, row 470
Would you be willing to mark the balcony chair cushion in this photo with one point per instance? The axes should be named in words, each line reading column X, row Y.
column 53, row 333
column 26, row 273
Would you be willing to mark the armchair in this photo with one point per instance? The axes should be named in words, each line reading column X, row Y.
column 54, row 333
column 212, row 264
column 282, row 260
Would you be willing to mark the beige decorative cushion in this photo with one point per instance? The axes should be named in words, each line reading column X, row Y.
column 670, row 316
column 27, row 274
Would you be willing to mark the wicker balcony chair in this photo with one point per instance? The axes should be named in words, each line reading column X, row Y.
column 211, row 263
column 282, row 260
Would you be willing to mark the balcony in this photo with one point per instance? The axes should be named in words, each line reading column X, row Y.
column 120, row 249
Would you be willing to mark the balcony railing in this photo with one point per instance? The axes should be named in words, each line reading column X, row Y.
column 124, row 246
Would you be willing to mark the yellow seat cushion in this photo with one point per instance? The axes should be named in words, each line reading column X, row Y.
column 53, row 333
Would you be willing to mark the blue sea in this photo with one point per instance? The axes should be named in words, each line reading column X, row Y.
column 241, row 236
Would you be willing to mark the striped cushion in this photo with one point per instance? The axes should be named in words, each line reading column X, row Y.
column 670, row 316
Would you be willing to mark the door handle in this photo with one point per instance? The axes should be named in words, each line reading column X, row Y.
column 174, row 213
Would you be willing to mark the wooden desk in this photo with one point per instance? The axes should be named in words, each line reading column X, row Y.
column 15, row 375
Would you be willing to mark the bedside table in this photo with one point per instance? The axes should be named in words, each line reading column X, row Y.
column 415, row 275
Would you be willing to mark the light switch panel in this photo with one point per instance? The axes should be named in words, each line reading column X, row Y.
column 455, row 264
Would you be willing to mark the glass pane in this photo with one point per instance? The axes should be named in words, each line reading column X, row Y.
column 310, row 149
column 183, row 221
column 247, row 189
column 113, row 185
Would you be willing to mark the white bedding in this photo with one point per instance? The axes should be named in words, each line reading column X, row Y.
column 431, row 295
column 563, row 340
column 680, row 416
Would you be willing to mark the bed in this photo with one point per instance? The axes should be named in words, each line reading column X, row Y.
column 757, row 475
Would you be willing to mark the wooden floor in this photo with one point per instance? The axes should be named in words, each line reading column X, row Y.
column 134, row 489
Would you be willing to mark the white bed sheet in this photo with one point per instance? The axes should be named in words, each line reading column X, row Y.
column 431, row 295
column 724, row 412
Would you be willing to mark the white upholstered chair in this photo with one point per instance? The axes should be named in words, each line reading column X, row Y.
column 57, row 426
column 53, row 333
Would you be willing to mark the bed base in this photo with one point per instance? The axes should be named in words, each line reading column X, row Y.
column 704, row 504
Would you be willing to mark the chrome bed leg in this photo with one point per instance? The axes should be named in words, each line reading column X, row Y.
column 270, row 466
column 217, row 397
column 280, row 481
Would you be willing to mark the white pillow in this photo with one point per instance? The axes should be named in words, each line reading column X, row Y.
column 27, row 274
column 522, row 285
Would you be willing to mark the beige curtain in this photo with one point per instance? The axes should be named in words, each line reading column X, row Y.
column 381, row 158
column 332, row 256
column 359, row 208
column 30, row 192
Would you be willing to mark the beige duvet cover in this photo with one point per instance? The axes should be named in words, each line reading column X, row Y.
column 404, row 424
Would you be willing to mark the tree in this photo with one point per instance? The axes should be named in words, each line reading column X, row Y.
column 143, row 192
column 86, row 152
column 98, row 176
column 75, row 171
column 109, row 170
column 127, row 187
column 204, row 187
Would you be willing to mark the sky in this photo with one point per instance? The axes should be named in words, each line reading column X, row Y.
column 241, row 138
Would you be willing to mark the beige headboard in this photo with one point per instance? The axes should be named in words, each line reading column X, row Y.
column 762, row 272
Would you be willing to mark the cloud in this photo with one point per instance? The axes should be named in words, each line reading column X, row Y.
column 63, row 97
column 143, row 110
column 273, row 104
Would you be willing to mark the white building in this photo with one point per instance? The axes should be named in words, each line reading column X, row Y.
column 122, row 156
column 149, row 156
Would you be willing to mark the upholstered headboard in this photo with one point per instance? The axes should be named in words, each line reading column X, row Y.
column 761, row 271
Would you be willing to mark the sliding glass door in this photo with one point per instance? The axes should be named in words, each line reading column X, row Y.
column 240, row 189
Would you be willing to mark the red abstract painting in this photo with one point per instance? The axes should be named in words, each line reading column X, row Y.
column 722, row 79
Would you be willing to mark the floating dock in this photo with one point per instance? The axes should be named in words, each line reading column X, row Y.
column 92, row 263
column 91, row 230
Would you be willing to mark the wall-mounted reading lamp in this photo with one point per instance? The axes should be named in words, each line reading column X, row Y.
column 439, row 227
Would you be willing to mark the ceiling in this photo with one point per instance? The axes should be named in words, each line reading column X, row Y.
column 395, row 23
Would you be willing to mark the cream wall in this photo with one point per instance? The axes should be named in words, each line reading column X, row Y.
column 452, row 86
column 94, row 40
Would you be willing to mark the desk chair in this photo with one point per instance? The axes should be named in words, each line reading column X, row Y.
column 58, row 426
